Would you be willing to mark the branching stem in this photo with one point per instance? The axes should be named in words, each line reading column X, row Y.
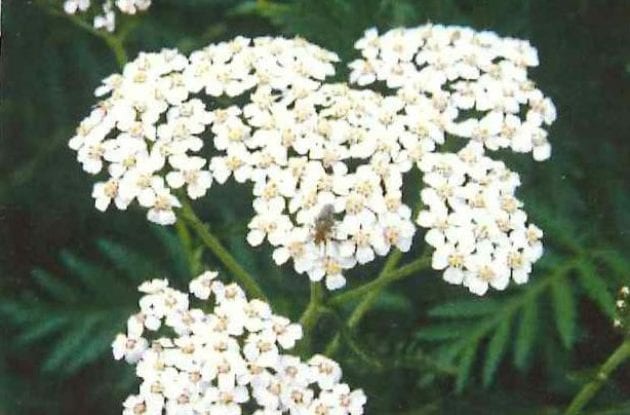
column 370, row 291
column 620, row 355
column 212, row 242
column 311, row 315
column 114, row 41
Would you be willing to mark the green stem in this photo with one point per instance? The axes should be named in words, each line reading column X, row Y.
column 311, row 316
column 382, row 282
column 355, row 347
column 114, row 42
column 212, row 242
column 386, row 277
column 370, row 291
column 589, row 390
column 184, row 237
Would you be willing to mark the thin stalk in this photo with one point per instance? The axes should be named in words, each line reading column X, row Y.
column 116, row 45
column 212, row 242
column 184, row 237
column 620, row 355
column 311, row 315
column 385, row 280
column 370, row 292
column 386, row 277
column 355, row 347
column 114, row 42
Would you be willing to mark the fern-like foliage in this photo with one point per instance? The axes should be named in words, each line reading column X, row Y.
column 80, row 313
column 485, row 331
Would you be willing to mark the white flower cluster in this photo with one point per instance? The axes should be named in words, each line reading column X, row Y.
column 327, row 175
column 326, row 161
column 479, row 232
column 226, row 362
column 106, row 18
column 472, row 85
column 146, row 133
column 477, row 82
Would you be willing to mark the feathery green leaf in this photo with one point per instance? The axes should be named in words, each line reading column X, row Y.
column 526, row 334
column 563, row 304
column 496, row 350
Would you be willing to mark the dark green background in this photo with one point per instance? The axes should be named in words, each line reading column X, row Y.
column 580, row 198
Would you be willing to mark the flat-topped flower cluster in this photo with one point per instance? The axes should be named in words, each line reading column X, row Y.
column 328, row 162
column 477, row 83
column 105, row 18
column 475, row 223
column 228, row 361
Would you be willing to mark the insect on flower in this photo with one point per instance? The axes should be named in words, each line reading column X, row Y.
column 324, row 225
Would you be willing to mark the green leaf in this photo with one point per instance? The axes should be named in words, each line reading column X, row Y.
column 465, row 365
column 393, row 302
column 77, row 320
column 496, row 350
column 71, row 343
column 615, row 261
column 89, row 273
column 41, row 329
column 564, row 308
column 135, row 266
column 93, row 348
column 526, row 334
column 595, row 287
column 443, row 331
column 53, row 286
column 469, row 308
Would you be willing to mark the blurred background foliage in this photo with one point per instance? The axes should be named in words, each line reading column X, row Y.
column 68, row 273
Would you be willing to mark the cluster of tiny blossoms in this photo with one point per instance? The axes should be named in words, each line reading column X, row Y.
column 225, row 362
column 472, row 85
column 326, row 161
column 479, row 232
column 105, row 19
column 476, row 81
column 328, row 174
column 146, row 132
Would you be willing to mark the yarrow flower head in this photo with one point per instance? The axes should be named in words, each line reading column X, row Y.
column 105, row 17
column 476, row 82
column 480, row 234
column 228, row 361
column 327, row 162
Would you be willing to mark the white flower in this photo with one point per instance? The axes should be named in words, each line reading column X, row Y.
column 341, row 398
column 160, row 202
column 464, row 70
column 131, row 6
column 131, row 348
column 326, row 163
column 189, row 173
column 273, row 226
column 324, row 371
column 72, row 6
column 235, row 163
column 106, row 20
column 105, row 192
column 475, row 222
column 201, row 286
column 134, row 405
column 223, row 361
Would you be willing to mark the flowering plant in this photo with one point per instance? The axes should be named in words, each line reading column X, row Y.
column 222, row 361
column 327, row 162
column 296, row 166
column 375, row 203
